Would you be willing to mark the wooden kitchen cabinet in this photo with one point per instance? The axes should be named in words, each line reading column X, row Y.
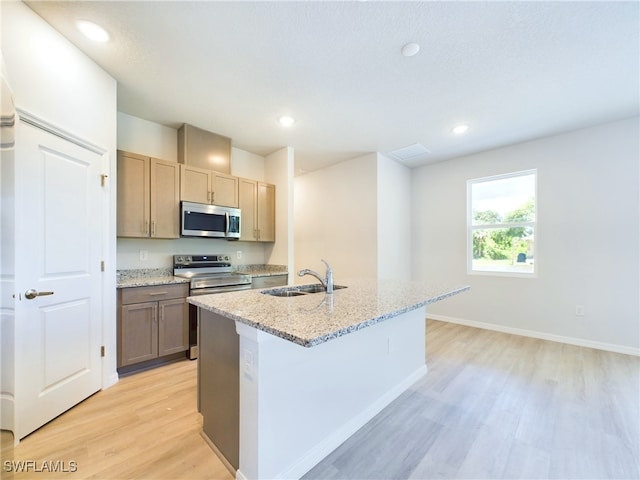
column 153, row 322
column 203, row 149
column 148, row 197
column 257, row 201
column 208, row 186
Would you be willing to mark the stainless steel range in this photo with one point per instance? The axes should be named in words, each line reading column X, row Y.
column 209, row 274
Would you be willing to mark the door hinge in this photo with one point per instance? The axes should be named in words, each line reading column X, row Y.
column 103, row 179
column 102, row 351
column 102, row 266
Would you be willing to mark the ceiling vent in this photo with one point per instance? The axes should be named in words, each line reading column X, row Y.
column 415, row 151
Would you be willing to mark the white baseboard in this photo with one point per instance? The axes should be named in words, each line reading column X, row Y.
column 580, row 342
column 338, row 437
column 7, row 403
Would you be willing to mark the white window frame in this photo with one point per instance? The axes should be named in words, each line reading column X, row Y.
column 471, row 228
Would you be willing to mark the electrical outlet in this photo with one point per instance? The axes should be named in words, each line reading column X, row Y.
column 579, row 310
column 247, row 362
column 144, row 255
column 239, row 254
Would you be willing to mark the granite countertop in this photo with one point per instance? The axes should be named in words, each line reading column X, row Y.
column 145, row 277
column 310, row 320
column 262, row 270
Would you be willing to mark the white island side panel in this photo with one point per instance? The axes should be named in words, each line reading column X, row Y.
column 298, row 404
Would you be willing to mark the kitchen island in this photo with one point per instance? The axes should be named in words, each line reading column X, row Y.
column 283, row 381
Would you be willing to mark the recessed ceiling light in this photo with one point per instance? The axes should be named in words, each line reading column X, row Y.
column 93, row 31
column 460, row 129
column 286, row 121
column 410, row 49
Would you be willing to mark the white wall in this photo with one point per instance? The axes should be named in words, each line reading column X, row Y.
column 587, row 238
column 56, row 82
column 279, row 171
column 246, row 164
column 335, row 213
column 394, row 219
column 149, row 138
column 356, row 215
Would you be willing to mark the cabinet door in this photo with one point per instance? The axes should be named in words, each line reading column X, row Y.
column 173, row 326
column 165, row 199
column 225, row 190
column 133, row 195
column 247, row 198
column 266, row 212
column 195, row 184
column 138, row 333
column 200, row 148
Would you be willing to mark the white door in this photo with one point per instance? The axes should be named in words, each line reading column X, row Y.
column 58, row 250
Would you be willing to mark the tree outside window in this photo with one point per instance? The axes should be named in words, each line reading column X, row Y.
column 502, row 223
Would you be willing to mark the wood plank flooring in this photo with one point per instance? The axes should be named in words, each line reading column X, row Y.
column 146, row 426
column 501, row 406
column 492, row 406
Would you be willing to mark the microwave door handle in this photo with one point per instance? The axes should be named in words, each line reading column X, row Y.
column 226, row 231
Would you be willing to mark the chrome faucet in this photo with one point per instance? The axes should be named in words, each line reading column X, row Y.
column 326, row 282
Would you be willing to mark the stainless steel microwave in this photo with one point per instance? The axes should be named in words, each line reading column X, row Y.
column 202, row 220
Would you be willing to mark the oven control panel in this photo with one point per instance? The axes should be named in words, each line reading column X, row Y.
column 183, row 260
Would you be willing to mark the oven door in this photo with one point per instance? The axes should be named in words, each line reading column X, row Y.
column 193, row 313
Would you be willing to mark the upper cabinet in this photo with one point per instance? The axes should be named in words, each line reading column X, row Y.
column 257, row 201
column 148, row 197
column 206, row 186
column 203, row 149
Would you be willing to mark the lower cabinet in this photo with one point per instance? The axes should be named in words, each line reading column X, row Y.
column 153, row 322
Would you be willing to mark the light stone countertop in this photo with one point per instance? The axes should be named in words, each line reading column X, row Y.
column 145, row 277
column 262, row 270
column 310, row 320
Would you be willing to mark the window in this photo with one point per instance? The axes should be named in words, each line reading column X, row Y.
column 502, row 224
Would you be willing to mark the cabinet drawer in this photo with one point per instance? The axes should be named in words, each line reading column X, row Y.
column 269, row 281
column 154, row 293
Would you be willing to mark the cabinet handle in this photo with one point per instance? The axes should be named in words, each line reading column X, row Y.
column 258, row 234
column 161, row 316
column 213, row 197
column 151, row 294
column 153, row 228
column 146, row 227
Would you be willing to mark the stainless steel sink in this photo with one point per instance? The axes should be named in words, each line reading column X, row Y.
column 285, row 293
column 299, row 290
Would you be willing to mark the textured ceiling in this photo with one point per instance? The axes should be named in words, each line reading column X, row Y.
column 512, row 70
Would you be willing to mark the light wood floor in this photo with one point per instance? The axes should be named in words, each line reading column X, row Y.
column 500, row 406
column 492, row 406
column 145, row 426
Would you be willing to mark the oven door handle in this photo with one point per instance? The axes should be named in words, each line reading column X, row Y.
column 230, row 288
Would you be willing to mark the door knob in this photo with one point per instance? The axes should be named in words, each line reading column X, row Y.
column 31, row 294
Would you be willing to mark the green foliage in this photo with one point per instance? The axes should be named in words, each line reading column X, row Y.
column 526, row 213
column 486, row 217
column 502, row 243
